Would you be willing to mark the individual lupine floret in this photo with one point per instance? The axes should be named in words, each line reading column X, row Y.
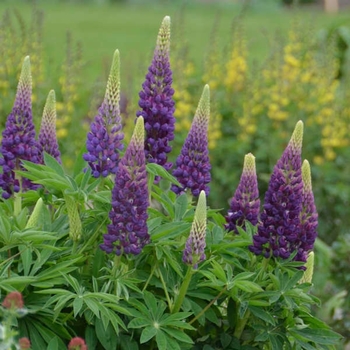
column 193, row 165
column 47, row 134
column 18, row 138
column 279, row 229
column 104, row 141
column 245, row 204
column 128, row 231
column 308, row 216
column 156, row 101
column 195, row 244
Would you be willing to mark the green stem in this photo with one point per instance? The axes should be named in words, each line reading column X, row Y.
column 149, row 278
column 93, row 238
column 208, row 306
column 116, row 265
column 241, row 323
column 170, row 304
column 180, row 298
column 17, row 205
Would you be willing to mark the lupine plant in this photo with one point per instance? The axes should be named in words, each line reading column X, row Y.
column 121, row 261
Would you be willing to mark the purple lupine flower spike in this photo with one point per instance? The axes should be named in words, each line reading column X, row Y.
column 195, row 244
column 192, row 165
column 18, row 138
column 245, row 204
column 128, row 231
column 308, row 216
column 279, row 228
column 104, row 141
column 47, row 134
column 156, row 101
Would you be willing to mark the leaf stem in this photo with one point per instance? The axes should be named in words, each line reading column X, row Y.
column 183, row 289
column 241, row 323
column 170, row 304
column 209, row 305
column 149, row 278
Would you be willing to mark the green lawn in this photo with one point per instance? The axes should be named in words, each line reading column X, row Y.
column 132, row 28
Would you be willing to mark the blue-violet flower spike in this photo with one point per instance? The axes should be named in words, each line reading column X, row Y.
column 279, row 228
column 104, row 141
column 245, row 204
column 195, row 244
column 128, row 231
column 308, row 216
column 193, row 165
column 156, row 101
column 18, row 138
column 47, row 134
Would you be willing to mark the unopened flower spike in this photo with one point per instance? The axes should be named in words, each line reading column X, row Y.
column 75, row 226
column 245, row 204
column 193, row 253
column 128, row 232
column 309, row 269
column 104, row 141
column 193, row 165
column 308, row 216
column 33, row 220
column 156, row 101
column 18, row 138
column 47, row 135
column 279, row 228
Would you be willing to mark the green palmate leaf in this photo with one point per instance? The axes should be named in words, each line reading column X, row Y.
column 80, row 164
column 77, row 305
column 53, row 344
column 178, row 335
column 248, row 286
column 148, row 333
column 26, row 257
column 168, row 320
column 263, row 315
column 180, row 207
column 318, row 336
column 293, row 280
column 170, row 230
column 52, row 163
column 56, row 270
column 139, row 322
column 93, row 306
column 158, row 170
column 5, row 229
column 107, row 337
column 90, row 337
column 161, row 340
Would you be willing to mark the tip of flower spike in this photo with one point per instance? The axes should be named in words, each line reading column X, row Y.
column 308, row 274
column 203, row 109
column 34, row 218
column 163, row 40
column 138, row 136
column 297, row 137
column 249, row 164
column 306, row 174
column 25, row 80
column 51, row 101
column 200, row 215
column 112, row 95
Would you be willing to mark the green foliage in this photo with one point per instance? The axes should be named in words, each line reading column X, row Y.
column 235, row 300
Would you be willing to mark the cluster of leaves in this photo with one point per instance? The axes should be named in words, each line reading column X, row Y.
column 235, row 300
